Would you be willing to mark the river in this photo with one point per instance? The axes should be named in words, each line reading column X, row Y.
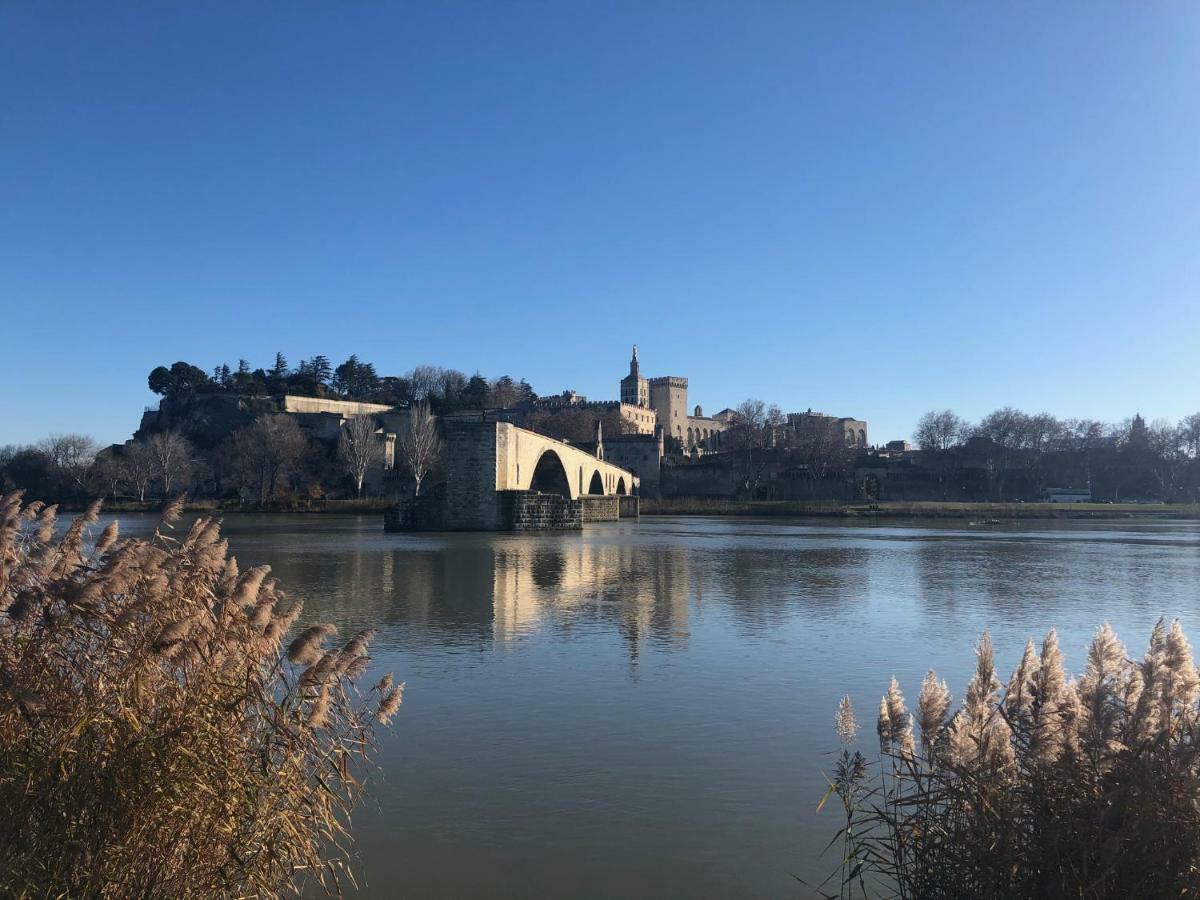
column 645, row 709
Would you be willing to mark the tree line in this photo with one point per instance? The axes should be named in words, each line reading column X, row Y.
column 1042, row 432
column 445, row 390
column 1028, row 452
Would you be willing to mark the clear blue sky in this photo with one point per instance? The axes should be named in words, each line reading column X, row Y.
column 871, row 209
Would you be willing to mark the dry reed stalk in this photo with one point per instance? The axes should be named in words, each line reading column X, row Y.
column 1061, row 787
column 155, row 739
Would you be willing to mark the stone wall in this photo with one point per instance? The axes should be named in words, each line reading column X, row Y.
column 344, row 408
column 526, row 511
column 641, row 455
column 600, row 509
column 629, row 507
column 718, row 480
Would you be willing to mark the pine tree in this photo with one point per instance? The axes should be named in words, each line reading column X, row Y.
column 475, row 396
column 321, row 369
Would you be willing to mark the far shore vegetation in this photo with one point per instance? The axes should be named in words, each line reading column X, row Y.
column 163, row 733
column 224, row 436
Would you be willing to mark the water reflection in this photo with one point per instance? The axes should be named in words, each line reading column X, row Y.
column 644, row 710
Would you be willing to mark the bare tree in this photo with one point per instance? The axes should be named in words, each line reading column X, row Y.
column 108, row 473
column 748, row 422
column 172, row 454
column 1189, row 434
column 820, row 446
column 71, row 454
column 359, row 448
column 1082, row 435
column 939, row 430
column 139, row 464
column 773, row 425
column 424, row 380
column 421, row 444
column 749, row 426
column 8, row 452
column 265, row 452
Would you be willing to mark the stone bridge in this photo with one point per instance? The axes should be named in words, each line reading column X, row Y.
column 528, row 461
column 501, row 477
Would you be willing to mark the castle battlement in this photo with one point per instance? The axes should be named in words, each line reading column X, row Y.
column 669, row 381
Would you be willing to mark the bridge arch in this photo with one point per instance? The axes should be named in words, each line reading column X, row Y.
column 550, row 476
column 597, row 484
column 621, row 485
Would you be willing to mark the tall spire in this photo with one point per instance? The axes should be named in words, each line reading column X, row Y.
column 633, row 363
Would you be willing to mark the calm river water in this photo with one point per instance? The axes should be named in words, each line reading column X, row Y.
column 645, row 710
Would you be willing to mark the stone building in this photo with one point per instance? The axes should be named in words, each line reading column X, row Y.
column 641, row 454
column 853, row 430
column 648, row 404
column 667, row 398
column 640, row 420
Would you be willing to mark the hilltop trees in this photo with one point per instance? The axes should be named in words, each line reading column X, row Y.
column 446, row 390
column 179, row 380
column 477, row 393
column 355, row 380
column 317, row 369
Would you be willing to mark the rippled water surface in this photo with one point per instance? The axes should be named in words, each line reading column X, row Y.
column 645, row 709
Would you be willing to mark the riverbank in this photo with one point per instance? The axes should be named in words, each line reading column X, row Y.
column 976, row 512
column 365, row 505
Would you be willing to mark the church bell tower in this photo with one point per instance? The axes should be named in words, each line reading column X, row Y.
column 635, row 390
